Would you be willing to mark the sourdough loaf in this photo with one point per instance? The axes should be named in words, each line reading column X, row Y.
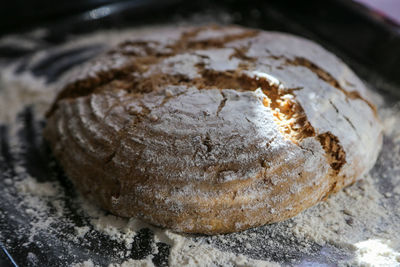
column 213, row 129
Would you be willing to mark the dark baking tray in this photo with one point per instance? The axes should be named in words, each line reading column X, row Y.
column 369, row 44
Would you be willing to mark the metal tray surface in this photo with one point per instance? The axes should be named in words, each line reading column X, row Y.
column 53, row 248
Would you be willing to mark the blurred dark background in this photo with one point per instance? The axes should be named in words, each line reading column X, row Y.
column 367, row 31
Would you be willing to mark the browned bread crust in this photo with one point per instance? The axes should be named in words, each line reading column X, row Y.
column 213, row 129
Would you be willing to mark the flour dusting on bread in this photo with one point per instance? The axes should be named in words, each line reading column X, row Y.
column 172, row 129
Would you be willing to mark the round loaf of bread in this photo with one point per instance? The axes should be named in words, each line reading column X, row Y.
column 213, row 129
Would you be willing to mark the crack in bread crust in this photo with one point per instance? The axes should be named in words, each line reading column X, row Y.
column 140, row 62
column 325, row 76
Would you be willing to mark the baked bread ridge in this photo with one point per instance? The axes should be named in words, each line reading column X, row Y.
column 213, row 129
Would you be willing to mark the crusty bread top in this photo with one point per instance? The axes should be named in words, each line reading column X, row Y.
column 203, row 108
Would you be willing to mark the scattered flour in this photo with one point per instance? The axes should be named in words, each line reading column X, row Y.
column 30, row 186
column 362, row 219
column 375, row 252
column 134, row 263
column 88, row 263
column 186, row 252
column 81, row 231
column 15, row 94
column 342, row 218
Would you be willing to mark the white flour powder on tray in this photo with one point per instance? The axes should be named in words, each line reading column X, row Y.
column 39, row 198
column 361, row 220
